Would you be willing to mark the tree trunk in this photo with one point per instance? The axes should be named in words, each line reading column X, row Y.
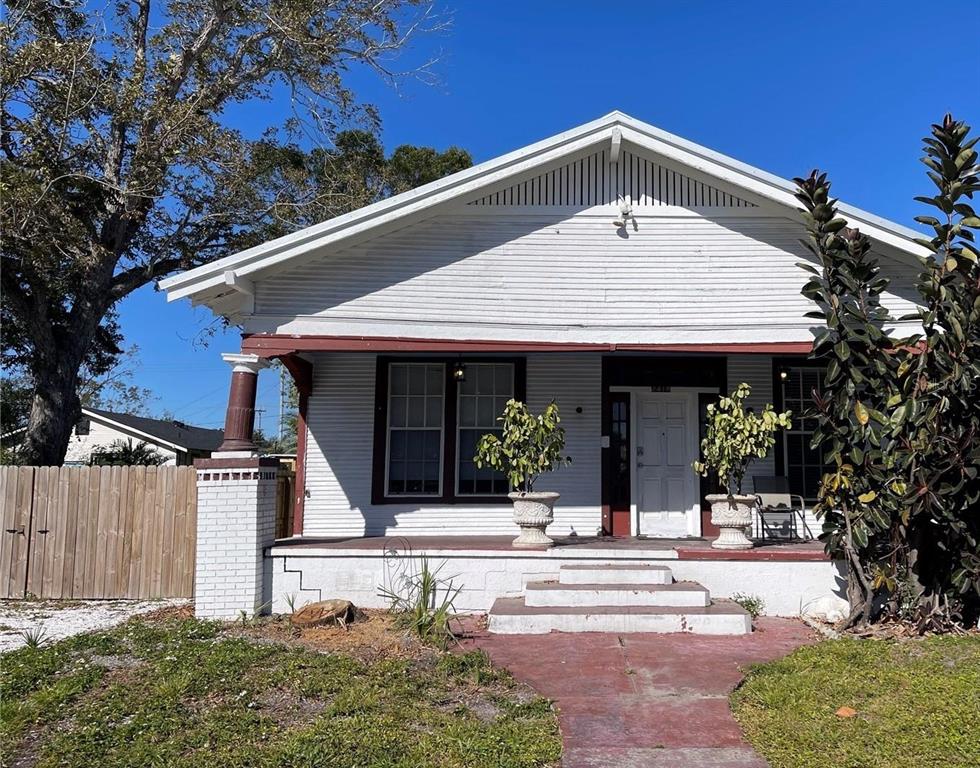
column 55, row 409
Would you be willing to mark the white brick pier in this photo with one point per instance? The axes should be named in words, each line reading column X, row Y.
column 236, row 522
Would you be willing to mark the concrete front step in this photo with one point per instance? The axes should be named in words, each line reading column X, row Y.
column 512, row 616
column 618, row 573
column 546, row 593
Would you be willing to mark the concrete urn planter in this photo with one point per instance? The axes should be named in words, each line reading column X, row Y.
column 533, row 513
column 733, row 514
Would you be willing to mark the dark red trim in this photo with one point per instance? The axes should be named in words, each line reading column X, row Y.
column 773, row 553
column 246, row 462
column 301, row 371
column 240, row 413
column 273, row 345
column 299, row 488
column 448, row 495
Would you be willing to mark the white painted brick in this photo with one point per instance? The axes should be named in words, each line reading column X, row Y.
column 236, row 522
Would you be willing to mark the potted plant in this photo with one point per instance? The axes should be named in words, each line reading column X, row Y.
column 529, row 446
column 735, row 437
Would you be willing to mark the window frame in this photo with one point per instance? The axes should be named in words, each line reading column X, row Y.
column 460, row 427
column 450, row 428
column 388, row 430
column 781, row 448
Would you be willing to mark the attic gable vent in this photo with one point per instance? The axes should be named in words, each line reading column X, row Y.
column 590, row 181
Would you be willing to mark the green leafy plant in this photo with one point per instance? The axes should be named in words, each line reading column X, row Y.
column 423, row 602
column 736, row 436
column 939, row 425
column 754, row 604
column 530, row 445
column 125, row 453
column 853, row 409
column 34, row 637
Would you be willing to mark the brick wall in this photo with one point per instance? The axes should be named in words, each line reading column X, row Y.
column 236, row 521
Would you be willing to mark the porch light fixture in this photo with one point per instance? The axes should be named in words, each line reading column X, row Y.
column 459, row 372
column 625, row 216
column 783, row 374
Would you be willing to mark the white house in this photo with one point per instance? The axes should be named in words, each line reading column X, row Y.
column 97, row 430
column 624, row 272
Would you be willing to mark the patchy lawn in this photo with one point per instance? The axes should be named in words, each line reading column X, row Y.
column 916, row 703
column 180, row 692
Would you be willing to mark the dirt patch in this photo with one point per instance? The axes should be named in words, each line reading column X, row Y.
column 374, row 635
column 171, row 613
column 120, row 661
column 288, row 709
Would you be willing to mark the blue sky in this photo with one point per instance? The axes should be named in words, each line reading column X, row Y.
column 849, row 87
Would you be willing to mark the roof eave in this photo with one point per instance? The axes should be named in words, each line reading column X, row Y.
column 200, row 280
column 416, row 200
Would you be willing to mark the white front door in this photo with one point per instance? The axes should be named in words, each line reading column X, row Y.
column 666, row 445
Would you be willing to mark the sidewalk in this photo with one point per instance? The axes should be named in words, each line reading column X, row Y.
column 645, row 700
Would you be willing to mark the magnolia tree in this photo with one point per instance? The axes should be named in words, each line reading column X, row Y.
column 938, row 421
column 853, row 429
column 529, row 446
column 899, row 418
column 735, row 437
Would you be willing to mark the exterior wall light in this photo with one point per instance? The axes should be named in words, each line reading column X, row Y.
column 459, row 372
column 783, row 374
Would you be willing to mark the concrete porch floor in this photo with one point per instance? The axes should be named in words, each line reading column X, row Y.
column 686, row 549
column 643, row 700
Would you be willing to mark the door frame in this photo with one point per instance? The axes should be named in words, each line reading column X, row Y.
column 693, row 516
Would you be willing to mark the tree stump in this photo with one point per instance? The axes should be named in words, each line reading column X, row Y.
column 340, row 612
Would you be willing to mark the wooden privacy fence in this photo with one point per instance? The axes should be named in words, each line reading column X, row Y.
column 98, row 532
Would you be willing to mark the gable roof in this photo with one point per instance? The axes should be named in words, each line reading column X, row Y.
column 204, row 282
column 173, row 434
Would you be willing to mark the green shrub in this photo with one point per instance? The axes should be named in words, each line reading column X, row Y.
column 531, row 445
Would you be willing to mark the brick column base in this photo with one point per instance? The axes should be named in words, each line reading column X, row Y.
column 236, row 521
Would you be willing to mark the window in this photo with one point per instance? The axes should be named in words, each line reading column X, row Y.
column 482, row 397
column 428, row 423
column 804, row 465
column 415, row 418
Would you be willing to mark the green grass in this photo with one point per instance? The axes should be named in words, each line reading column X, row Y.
column 181, row 693
column 917, row 703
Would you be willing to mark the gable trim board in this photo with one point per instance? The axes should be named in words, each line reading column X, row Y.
column 207, row 284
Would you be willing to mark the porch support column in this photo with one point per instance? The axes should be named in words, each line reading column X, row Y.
column 301, row 371
column 240, row 415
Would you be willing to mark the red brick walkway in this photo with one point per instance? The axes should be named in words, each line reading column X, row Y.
column 655, row 701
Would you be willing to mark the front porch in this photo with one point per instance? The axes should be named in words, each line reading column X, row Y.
column 790, row 578
column 387, row 431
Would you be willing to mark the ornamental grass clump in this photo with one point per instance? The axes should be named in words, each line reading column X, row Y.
column 735, row 437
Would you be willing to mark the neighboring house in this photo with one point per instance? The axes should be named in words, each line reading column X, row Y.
column 624, row 272
column 180, row 443
column 97, row 430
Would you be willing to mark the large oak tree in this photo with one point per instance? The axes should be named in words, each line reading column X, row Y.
column 119, row 167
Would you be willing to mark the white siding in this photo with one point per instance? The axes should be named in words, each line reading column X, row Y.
column 504, row 274
column 81, row 447
column 339, row 457
column 573, row 381
column 756, row 371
